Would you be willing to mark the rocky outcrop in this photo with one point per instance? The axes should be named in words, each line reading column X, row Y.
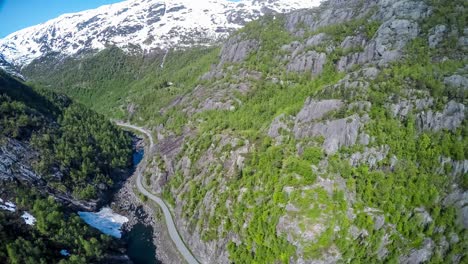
column 405, row 107
column 236, row 50
column 436, row 35
column 459, row 199
column 370, row 156
column 458, row 167
column 450, row 118
column 352, row 86
column 352, row 42
column 387, row 45
column 421, row 255
column 423, row 215
column 315, row 110
column 15, row 160
column 15, row 165
column 310, row 61
column 278, row 126
column 336, row 133
column 457, row 81
column 316, row 40
column 312, row 122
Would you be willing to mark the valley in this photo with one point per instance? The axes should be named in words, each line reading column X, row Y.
column 172, row 229
column 276, row 132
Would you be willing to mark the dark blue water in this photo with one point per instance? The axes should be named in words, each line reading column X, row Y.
column 138, row 156
column 140, row 247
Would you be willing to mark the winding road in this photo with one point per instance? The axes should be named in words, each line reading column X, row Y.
column 179, row 243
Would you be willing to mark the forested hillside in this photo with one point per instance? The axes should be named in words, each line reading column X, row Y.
column 122, row 85
column 336, row 134
column 54, row 153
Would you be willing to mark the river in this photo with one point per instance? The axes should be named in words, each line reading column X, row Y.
column 140, row 246
column 139, row 240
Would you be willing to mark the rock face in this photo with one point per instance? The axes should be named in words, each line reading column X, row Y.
column 450, row 118
column 309, row 62
column 421, row 255
column 330, row 13
column 386, row 46
column 457, row 81
column 14, row 162
column 236, row 50
column 315, row 110
column 336, row 133
column 308, row 123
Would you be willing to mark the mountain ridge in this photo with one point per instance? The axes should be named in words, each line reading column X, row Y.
column 152, row 25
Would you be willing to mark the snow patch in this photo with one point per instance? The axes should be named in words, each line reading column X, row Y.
column 64, row 253
column 8, row 206
column 28, row 218
column 151, row 24
column 105, row 221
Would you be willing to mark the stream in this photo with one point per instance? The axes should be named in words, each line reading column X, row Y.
column 139, row 240
column 140, row 247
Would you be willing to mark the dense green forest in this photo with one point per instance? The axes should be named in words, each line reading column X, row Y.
column 71, row 140
column 122, row 85
column 55, row 230
column 83, row 148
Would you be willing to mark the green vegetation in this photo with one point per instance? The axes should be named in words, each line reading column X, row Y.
column 87, row 147
column 82, row 146
column 417, row 181
column 75, row 151
column 288, row 179
column 124, row 86
column 250, row 202
column 54, row 230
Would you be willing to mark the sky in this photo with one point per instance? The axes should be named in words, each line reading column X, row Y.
column 19, row 14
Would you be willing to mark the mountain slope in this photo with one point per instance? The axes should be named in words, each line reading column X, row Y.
column 336, row 134
column 327, row 135
column 153, row 24
column 58, row 146
column 55, row 157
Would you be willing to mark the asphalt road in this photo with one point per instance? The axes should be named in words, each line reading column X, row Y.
column 179, row 243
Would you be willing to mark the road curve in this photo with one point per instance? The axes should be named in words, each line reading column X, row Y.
column 179, row 243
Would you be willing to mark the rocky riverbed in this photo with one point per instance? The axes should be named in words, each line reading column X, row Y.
column 143, row 218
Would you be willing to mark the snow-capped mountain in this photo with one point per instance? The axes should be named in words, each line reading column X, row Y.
column 151, row 24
